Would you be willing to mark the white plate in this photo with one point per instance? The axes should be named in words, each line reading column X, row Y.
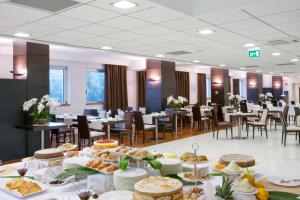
column 44, row 187
column 181, row 175
column 276, row 181
column 117, row 195
column 247, row 193
column 232, row 173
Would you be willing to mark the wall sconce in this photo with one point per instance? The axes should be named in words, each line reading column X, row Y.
column 18, row 73
column 217, row 82
column 277, row 85
column 252, row 84
column 154, row 79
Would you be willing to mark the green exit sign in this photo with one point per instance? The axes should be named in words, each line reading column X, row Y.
column 254, row 53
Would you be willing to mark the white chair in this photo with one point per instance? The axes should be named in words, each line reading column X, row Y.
column 142, row 110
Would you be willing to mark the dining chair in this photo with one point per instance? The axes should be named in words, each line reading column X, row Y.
column 140, row 126
column 197, row 117
column 262, row 123
column 64, row 132
column 276, row 118
column 102, row 114
column 297, row 113
column 126, row 128
column 220, row 125
column 84, row 132
column 288, row 130
column 113, row 113
column 167, row 123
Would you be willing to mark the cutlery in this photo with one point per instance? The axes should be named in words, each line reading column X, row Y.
column 289, row 180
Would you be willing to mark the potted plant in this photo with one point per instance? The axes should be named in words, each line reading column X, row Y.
column 269, row 96
column 234, row 100
column 40, row 109
column 176, row 104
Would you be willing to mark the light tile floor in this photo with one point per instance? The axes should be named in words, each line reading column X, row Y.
column 273, row 159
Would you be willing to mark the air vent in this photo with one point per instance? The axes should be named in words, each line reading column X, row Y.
column 282, row 41
column 178, row 53
column 285, row 64
column 46, row 5
column 251, row 66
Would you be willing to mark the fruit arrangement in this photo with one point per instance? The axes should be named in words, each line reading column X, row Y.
column 225, row 190
column 262, row 193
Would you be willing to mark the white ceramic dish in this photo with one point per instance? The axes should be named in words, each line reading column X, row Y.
column 117, row 195
column 181, row 175
column 277, row 181
column 15, row 193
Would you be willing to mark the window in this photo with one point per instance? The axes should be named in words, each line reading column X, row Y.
column 95, row 86
column 57, row 78
column 241, row 87
column 208, row 87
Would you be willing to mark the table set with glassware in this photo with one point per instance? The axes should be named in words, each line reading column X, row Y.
column 107, row 171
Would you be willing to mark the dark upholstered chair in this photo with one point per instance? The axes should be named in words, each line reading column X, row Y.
column 127, row 129
column 140, row 126
column 288, row 130
column 84, row 132
column 219, row 125
column 262, row 123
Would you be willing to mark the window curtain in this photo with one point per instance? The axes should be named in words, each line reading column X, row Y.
column 141, row 88
column 115, row 87
column 182, row 84
column 202, row 98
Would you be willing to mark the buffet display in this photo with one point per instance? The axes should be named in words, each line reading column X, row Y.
column 146, row 175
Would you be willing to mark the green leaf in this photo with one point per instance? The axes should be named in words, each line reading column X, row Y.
column 216, row 173
column 175, row 176
column 282, row 196
column 75, row 171
column 30, row 177
column 124, row 162
column 154, row 163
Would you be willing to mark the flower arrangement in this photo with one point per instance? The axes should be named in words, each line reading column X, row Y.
column 267, row 96
column 234, row 99
column 40, row 110
column 176, row 103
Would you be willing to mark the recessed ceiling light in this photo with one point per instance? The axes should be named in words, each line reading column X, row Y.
column 22, row 35
column 294, row 60
column 106, row 47
column 242, row 68
column 222, row 65
column 196, row 61
column 206, row 32
column 276, row 54
column 258, row 71
column 124, row 4
column 160, row 55
column 271, row 73
column 281, row 74
column 249, row 45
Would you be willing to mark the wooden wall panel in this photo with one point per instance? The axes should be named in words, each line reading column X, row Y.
column 220, row 86
column 277, row 85
column 236, row 86
column 254, row 86
column 202, row 98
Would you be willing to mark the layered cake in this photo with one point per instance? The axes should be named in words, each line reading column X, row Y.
column 48, row 153
column 106, row 144
column 158, row 188
column 170, row 166
column 125, row 179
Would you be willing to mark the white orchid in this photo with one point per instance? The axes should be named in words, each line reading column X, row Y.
column 269, row 94
column 40, row 107
column 261, row 95
column 182, row 99
column 52, row 103
column 176, row 103
column 45, row 98
column 170, row 99
column 28, row 104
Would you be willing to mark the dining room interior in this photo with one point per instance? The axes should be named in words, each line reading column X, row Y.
column 149, row 100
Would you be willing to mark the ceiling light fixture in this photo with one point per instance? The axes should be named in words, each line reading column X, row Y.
column 222, row 65
column 258, row 70
column 249, row 45
column 22, row 35
column 196, row 61
column 294, row 60
column 276, row 54
column 124, row 4
column 242, row 68
column 206, row 32
column 160, row 55
column 106, row 47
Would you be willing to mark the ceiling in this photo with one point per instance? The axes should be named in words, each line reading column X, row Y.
column 158, row 27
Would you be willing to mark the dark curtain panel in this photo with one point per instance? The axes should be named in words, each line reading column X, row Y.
column 236, row 86
column 116, row 87
column 182, row 84
column 141, row 88
column 202, row 89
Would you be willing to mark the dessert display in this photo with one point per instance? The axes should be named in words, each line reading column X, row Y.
column 195, row 176
column 233, row 168
column 218, row 167
column 191, row 167
column 242, row 160
column 245, row 187
column 105, row 144
column 107, row 156
column 193, row 194
column 193, row 158
column 22, row 187
column 125, row 179
column 157, row 187
column 72, row 153
column 48, row 153
column 225, row 190
column 102, row 166
column 170, row 166
column 67, row 147
column 136, row 153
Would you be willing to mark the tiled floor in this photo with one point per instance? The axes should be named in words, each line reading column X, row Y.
column 273, row 159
